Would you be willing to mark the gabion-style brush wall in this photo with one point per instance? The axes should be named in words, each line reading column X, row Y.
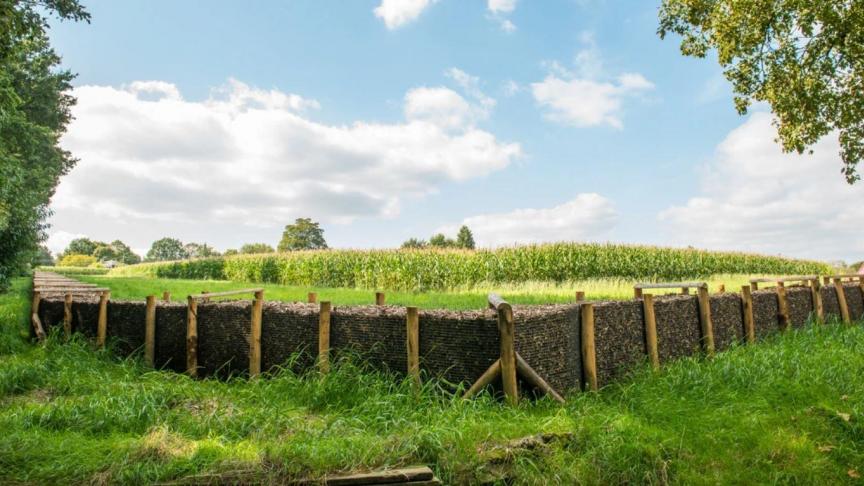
column 456, row 346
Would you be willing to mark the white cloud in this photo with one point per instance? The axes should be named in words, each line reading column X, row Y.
column 507, row 26
column 58, row 240
column 471, row 85
column 250, row 158
column 498, row 9
column 581, row 97
column 588, row 216
column 396, row 13
column 754, row 197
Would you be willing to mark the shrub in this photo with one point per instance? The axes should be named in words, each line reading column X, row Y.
column 76, row 260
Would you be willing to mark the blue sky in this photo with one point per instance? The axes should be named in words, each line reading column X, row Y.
column 221, row 121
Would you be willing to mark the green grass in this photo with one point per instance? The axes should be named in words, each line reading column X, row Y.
column 425, row 270
column 789, row 410
column 474, row 298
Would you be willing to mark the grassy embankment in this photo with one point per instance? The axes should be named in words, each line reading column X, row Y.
column 133, row 288
column 790, row 409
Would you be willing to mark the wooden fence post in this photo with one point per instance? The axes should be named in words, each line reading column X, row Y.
column 67, row 315
column 507, row 330
column 637, row 293
column 816, row 296
column 255, row 334
column 34, row 317
column 783, row 307
column 191, row 336
column 685, row 290
column 651, row 330
column 705, row 320
column 580, row 296
column 166, row 296
column 749, row 325
column 205, row 299
column 312, row 297
column 826, row 280
column 380, row 298
column 412, row 323
column 722, row 289
column 102, row 325
column 589, row 358
column 324, row 337
column 150, row 331
column 754, row 286
column 841, row 299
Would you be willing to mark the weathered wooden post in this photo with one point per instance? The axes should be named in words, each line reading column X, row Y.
column 102, row 324
column 749, row 325
column 380, row 298
column 685, row 290
column 324, row 337
column 507, row 348
column 312, row 298
column 67, row 315
column 841, row 299
column 150, row 331
column 412, row 324
column 754, row 286
column 255, row 334
column 783, row 307
column 705, row 320
column 580, row 296
column 166, row 296
column 191, row 336
column 589, row 358
column 637, row 292
column 816, row 296
column 650, row 330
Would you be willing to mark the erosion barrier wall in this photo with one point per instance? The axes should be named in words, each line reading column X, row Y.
column 457, row 346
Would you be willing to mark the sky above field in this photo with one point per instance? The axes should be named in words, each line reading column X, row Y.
column 529, row 121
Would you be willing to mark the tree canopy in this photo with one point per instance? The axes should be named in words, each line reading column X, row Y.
column 805, row 58
column 167, row 249
column 34, row 112
column 252, row 248
column 304, row 234
column 103, row 252
column 465, row 239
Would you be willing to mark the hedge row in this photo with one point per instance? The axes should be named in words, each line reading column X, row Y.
column 75, row 270
column 448, row 269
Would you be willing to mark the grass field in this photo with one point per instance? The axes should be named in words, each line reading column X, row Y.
column 475, row 298
column 788, row 410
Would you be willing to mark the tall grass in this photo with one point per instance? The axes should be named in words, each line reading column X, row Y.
column 789, row 410
column 448, row 269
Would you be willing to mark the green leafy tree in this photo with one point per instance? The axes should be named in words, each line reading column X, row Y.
column 252, row 248
column 167, row 249
column 304, row 234
column 231, row 252
column 414, row 243
column 200, row 250
column 465, row 239
column 34, row 112
column 124, row 254
column 42, row 257
column 803, row 57
column 83, row 246
column 104, row 253
column 441, row 241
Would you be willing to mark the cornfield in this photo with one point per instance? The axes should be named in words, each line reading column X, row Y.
column 423, row 270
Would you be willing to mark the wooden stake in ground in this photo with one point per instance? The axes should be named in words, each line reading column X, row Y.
column 637, row 293
column 412, row 325
column 102, row 324
column 685, row 290
column 650, row 330
column 255, row 334
column 580, row 296
column 380, row 298
column 705, row 320
column 749, row 325
column 312, row 298
column 324, row 337
column 841, row 299
column 192, row 336
column 67, row 316
column 816, row 296
column 589, row 358
column 506, row 329
column 166, row 296
column 783, row 307
column 150, row 331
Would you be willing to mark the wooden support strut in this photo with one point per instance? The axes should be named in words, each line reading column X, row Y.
column 841, row 299
column 705, row 323
column 380, row 298
column 589, row 358
column 255, row 334
column 67, row 316
column 532, row 377
column 816, row 296
column 191, row 336
column 506, row 330
column 34, row 317
column 324, row 337
column 150, row 331
column 749, row 324
column 650, row 331
column 412, row 343
column 783, row 307
column 102, row 324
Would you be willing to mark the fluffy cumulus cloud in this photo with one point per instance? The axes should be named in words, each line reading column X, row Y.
column 756, row 198
column 588, row 216
column 244, row 156
column 585, row 96
column 498, row 10
column 396, row 13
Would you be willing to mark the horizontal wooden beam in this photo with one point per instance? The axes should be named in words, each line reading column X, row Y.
column 74, row 290
column 672, row 285
column 224, row 294
column 495, row 300
column 797, row 278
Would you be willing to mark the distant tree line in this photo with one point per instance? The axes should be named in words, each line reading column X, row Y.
column 464, row 239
